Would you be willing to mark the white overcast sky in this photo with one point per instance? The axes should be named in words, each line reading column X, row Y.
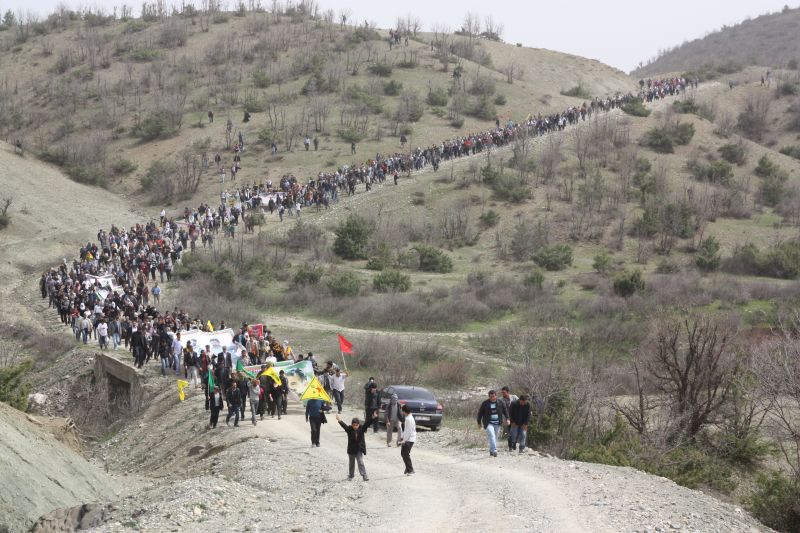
column 620, row 33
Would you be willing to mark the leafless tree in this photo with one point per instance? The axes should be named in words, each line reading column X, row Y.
column 693, row 367
column 471, row 26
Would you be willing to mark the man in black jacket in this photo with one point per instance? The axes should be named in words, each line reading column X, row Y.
column 234, row 404
column 520, row 416
column 356, row 445
column 492, row 415
column 138, row 345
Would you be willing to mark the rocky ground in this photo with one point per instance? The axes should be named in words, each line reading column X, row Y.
column 268, row 477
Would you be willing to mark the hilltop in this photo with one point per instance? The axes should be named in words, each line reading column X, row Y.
column 767, row 41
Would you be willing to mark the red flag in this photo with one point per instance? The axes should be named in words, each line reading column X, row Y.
column 345, row 346
column 257, row 330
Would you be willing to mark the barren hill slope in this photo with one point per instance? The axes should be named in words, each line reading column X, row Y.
column 769, row 41
column 40, row 474
column 51, row 215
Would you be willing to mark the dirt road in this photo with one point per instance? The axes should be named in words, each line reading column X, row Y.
column 268, row 477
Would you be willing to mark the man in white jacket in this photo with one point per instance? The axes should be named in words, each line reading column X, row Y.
column 409, row 437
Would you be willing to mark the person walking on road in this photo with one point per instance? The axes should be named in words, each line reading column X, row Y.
column 506, row 398
column 255, row 394
column 234, row 404
column 491, row 416
column 392, row 419
column 408, row 438
column 315, row 417
column 336, row 381
column 372, row 406
column 356, row 446
column 519, row 416
column 215, row 402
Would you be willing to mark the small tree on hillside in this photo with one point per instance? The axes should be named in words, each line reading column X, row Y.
column 352, row 238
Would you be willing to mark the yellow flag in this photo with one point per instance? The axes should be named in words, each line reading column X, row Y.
column 182, row 385
column 314, row 391
column 210, row 326
column 271, row 372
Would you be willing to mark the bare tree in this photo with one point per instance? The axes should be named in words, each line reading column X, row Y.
column 492, row 29
column 777, row 367
column 471, row 26
column 693, row 367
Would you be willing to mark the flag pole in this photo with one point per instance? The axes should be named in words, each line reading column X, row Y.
column 344, row 361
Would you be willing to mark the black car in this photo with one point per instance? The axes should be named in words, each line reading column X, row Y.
column 426, row 409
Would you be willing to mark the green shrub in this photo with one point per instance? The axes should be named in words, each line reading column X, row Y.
column 628, row 283
column 260, row 79
column 220, row 17
column 766, row 168
column 351, row 135
column 772, row 189
column 708, row 258
column 489, row 218
column 145, row 54
column 14, row 388
column 500, row 100
column 714, row 172
column 483, row 86
column 483, row 108
column 307, row 275
column 734, row 154
column 791, row 151
column 664, row 139
column 636, row 108
column 437, row 97
column 223, row 278
column 392, row 88
column 154, row 126
column 384, row 70
column 774, row 501
column 352, row 237
column 682, row 133
column 686, row 106
column 376, row 263
column 602, row 262
column 578, row 91
column 344, row 284
column 535, row 278
column 659, row 141
column 432, row 259
column 87, row 174
column 254, row 104
column 554, row 257
column 789, row 88
column 391, row 281
column 507, row 187
column 457, row 123
column 781, row 261
column 123, row 166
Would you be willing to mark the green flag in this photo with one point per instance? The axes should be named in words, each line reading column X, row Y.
column 210, row 379
column 240, row 368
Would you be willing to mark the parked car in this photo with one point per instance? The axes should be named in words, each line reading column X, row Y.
column 427, row 411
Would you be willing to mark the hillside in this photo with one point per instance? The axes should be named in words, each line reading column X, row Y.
column 767, row 41
column 106, row 99
column 581, row 263
column 41, row 474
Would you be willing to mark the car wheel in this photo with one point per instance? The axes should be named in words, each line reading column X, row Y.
column 435, row 428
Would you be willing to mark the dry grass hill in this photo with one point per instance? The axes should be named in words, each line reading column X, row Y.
column 768, row 41
column 589, row 266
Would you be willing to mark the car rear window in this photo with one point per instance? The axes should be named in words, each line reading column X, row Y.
column 415, row 394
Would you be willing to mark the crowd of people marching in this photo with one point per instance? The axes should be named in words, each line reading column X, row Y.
column 287, row 197
column 110, row 292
